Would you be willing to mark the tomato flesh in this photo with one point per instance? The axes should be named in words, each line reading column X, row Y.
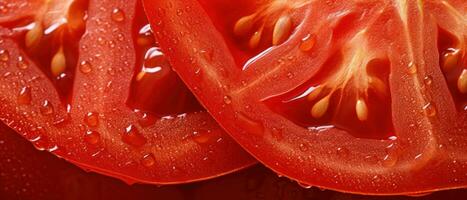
column 83, row 98
column 385, row 116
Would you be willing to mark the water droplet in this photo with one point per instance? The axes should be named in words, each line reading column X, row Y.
column 303, row 147
column 392, row 156
column 412, row 68
column 118, row 15
column 428, row 80
column 202, row 137
column 227, row 100
column 92, row 137
column 133, row 137
column 308, row 42
column 92, row 119
column 148, row 160
column 25, row 97
column 4, row 55
column 22, row 64
column 430, row 109
column 47, row 108
column 147, row 120
column 85, row 67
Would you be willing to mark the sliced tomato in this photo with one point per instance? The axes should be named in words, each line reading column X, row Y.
column 357, row 96
column 87, row 82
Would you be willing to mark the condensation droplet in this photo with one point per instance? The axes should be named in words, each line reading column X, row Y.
column 133, row 137
column 148, row 160
column 4, row 55
column 47, row 108
column 22, row 64
column 428, row 80
column 202, row 137
column 92, row 119
column 147, row 120
column 227, row 100
column 92, row 137
column 412, row 68
column 118, row 15
column 85, row 67
column 25, row 97
column 430, row 109
column 308, row 42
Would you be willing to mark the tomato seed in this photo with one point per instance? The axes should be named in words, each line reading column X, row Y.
column 244, row 25
column 255, row 39
column 34, row 35
column 361, row 109
column 462, row 82
column 320, row 108
column 282, row 30
column 58, row 63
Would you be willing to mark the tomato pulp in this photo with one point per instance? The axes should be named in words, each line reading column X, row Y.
column 357, row 96
column 86, row 81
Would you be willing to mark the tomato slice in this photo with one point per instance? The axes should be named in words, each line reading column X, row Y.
column 356, row 96
column 87, row 82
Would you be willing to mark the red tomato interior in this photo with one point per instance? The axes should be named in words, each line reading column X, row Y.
column 85, row 81
column 359, row 96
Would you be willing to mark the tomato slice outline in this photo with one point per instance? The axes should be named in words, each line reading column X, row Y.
column 432, row 146
column 163, row 156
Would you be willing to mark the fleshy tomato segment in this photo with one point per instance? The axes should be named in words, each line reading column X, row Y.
column 346, row 95
column 90, row 118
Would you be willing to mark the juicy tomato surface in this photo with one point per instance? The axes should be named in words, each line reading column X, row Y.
column 86, row 81
column 365, row 97
column 23, row 178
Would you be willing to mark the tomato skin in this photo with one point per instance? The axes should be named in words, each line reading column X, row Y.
column 333, row 159
column 90, row 130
